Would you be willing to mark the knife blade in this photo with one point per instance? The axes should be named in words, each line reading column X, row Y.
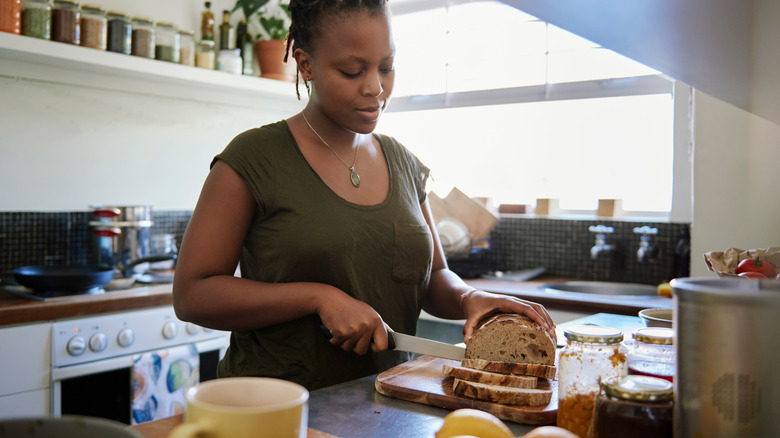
column 413, row 344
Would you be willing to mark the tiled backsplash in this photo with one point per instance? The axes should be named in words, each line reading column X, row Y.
column 561, row 246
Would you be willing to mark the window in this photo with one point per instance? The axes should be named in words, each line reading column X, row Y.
column 505, row 106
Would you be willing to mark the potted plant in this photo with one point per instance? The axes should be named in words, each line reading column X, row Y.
column 268, row 22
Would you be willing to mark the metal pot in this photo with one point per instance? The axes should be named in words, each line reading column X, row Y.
column 727, row 350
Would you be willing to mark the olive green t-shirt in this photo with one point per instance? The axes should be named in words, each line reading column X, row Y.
column 302, row 231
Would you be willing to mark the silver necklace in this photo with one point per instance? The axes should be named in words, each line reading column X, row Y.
column 353, row 176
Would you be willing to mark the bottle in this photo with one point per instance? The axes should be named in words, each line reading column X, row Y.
column 225, row 31
column 244, row 46
column 651, row 352
column 635, row 406
column 591, row 355
column 207, row 24
column 36, row 19
column 11, row 16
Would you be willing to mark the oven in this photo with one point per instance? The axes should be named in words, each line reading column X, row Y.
column 95, row 360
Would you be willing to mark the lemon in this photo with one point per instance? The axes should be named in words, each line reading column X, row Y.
column 550, row 432
column 473, row 422
column 665, row 290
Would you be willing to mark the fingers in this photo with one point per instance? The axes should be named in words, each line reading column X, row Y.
column 362, row 337
column 482, row 304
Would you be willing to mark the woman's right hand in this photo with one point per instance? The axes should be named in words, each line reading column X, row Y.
column 355, row 325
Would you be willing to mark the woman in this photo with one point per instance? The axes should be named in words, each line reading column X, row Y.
column 329, row 221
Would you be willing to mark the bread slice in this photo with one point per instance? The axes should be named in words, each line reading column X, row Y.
column 501, row 394
column 512, row 338
column 505, row 380
column 521, row 369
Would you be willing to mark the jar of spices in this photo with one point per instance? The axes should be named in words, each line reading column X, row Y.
column 142, row 38
column 66, row 22
column 591, row 355
column 635, row 406
column 11, row 16
column 205, row 56
column 120, row 32
column 36, row 18
column 94, row 29
column 186, row 47
column 167, row 43
column 651, row 352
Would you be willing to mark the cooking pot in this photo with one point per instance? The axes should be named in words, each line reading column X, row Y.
column 63, row 278
column 727, row 348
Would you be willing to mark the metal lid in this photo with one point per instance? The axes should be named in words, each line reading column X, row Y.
column 593, row 333
column 93, row 8
column 186, row 32
column 143, row 20
column 641, row 388
column 117, row 14
column 166, row 24
column 655, row 335
column 66, row 3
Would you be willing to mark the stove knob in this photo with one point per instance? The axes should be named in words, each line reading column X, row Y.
column 169, row 330
column 77, row 345
column 98, row 342
column 126, row 337
column 192, row 328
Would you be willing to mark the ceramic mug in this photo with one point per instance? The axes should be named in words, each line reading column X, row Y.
column 242, row 407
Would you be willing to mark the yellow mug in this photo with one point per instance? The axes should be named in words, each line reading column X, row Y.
column 242, row 407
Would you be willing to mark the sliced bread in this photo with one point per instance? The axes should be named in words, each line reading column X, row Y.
column 505, row 380
column 521, row 369
column 501, row 394
column 511, row 338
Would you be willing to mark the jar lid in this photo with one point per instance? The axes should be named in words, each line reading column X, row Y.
column 93, row 8
column 66, row 2
column 117, row 14
column 165, row 24
column 207, row 43
column 641, row 388
column 655, row 335
column 143, row 20
column 185, row 32
column 593, row 333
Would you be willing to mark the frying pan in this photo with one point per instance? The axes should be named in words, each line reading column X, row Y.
column 63, row 278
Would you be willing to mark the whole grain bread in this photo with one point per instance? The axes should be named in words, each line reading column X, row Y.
column 501, row 394
column 521, row 369
column 511, row 338
column 505, row 380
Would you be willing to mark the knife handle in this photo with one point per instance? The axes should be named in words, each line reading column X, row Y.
column 390, row 341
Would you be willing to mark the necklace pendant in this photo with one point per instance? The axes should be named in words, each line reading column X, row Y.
column 354, row 177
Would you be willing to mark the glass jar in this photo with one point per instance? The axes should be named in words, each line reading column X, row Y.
column 11, row 16
column 591, row 355
column 651, row 352
column 186, row 47
column 94, row 30
column 36, row 19
column 635, row 406
column 142, row 40
column 120, row 32
column 66, row 22
column 229, row 61
column 167, row 43
column 205, row 57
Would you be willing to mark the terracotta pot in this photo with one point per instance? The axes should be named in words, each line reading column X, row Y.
column 270, row 59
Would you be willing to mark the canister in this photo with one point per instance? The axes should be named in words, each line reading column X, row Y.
column 94, row 29
column 634, row 406
column 229, row 61
column 66, row 22
column 143, row 37
column 651, row 352
column 120, row 32
column 591, row 355
column 36, row 19
column 186, row 47
column 11, row 16
column 166, row 46
column 205, row 56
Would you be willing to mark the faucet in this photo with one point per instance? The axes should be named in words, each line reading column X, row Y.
column 601, row 245
column 647, row 250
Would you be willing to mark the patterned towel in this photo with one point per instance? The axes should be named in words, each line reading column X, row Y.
column 160, row 380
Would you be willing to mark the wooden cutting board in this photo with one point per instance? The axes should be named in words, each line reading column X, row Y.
column 421, row 381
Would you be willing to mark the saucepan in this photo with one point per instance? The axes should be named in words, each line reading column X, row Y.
column 63, row 278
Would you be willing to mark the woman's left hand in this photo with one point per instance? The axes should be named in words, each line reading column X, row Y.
column 477, row 304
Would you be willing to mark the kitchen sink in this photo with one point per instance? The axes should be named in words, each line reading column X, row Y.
column 634, row 290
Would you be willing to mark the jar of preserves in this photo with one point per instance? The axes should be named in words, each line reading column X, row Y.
column 142, row 40
column 635, row 406
column 166, row 47
column 66, row 22
column 651, row 352
column 120, row 32
column 186, row 47
column 592, row 354
column 11, row 16
column 94, row 29
column 205, row 56
column 36, row 19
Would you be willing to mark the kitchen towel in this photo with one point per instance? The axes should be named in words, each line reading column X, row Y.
column 160, row 380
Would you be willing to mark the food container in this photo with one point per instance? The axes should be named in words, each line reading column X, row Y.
column 636, row 407
column 120, row 32
column 166, row 46
column 230, row 61
column 11, row 16
column 592, row 354
column 186, row 47
column 94, row 30
column 205, row 57
column 36, row 19
column 651, row 352
column 727, row 349
column 143, row 38
column 657, row 317
column 66, row 22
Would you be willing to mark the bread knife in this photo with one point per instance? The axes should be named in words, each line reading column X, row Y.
column 413, row 344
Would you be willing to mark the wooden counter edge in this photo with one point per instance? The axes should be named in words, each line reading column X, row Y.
column 162, row 428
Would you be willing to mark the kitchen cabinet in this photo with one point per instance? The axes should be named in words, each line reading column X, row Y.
column 24, row 388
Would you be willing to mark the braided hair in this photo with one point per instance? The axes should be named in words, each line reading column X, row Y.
column 308, row 17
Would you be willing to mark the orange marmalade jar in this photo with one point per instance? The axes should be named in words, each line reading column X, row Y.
column 592, row 354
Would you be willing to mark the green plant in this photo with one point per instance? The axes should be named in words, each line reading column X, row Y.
column 266, row 19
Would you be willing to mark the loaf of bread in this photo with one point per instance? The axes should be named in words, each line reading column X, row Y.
column 511, row 338
column 519, row 369
column 487, row 377
column 502, row 394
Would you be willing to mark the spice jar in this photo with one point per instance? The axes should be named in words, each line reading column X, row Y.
column 36, row 19
column 205, row 57
column 651, row 352
column 94, row 29
column 142, row 37
column 166, row 47
column 11, row 16
column 591, row 355
column 186, row 47
column 120, row 32
column 635, row 406
column 66, row 22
